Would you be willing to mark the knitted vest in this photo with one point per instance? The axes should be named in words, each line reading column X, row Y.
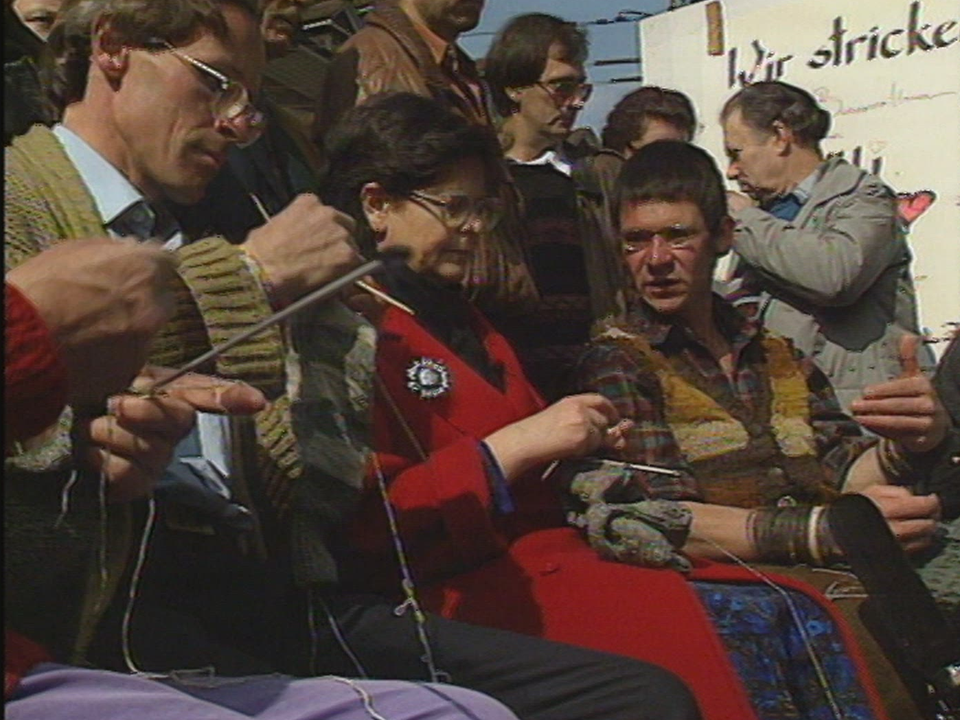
column 322, row 387
column 740, row 461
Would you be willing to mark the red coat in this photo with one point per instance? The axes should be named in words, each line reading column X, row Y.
column 526, row 571
column 35, row 380
column 35, row 389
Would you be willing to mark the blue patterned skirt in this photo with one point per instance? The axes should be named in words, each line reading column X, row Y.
column 761, row 629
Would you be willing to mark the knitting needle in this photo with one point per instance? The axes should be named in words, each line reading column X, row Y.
column 654, row 469
column 377, row 292
column 633, row 466
column 390, row 255
column 362, row 284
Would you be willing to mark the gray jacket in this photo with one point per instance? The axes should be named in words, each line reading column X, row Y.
column 838, row 276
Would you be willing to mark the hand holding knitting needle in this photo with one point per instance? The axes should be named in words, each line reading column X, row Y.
column 133, row 443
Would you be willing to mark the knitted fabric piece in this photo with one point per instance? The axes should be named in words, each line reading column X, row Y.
column 45, row 203
column 330, row 384
column 619, row 521
column 940, row 568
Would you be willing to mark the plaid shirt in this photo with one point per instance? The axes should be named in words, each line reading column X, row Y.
column 611, row 370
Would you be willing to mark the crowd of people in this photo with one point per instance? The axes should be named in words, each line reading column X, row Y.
column 545, row 464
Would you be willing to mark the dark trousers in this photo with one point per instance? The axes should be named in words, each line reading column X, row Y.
column 200, row 605
column 537, row 679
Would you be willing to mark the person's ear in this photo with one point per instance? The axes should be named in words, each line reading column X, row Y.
column 723, row 239
column 377, row 206
column 783, row 136
column 514, row 95
column 108, row 54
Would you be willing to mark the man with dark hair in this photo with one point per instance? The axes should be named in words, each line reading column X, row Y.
column 535, row 68
column 820, row 239
column 411, row 46
column 648, row 114
column 154, row 93
column 751, row 431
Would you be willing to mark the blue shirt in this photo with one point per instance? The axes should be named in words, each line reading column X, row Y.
column 124, row 209
column 198, row 476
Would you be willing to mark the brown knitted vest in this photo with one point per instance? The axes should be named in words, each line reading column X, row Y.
column 740, row 457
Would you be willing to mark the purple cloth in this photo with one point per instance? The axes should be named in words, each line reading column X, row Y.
column 52, row 692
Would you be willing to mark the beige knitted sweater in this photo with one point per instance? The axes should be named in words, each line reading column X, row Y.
column 46, row 202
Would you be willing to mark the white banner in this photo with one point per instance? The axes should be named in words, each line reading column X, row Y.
column 887, row 70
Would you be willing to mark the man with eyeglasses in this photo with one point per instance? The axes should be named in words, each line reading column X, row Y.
column 153, row 94
column 751, row 429
column 535, row 69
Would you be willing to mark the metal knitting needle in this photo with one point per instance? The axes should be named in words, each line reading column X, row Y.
column 634, row 466
column 645, row 468
column 387, row 257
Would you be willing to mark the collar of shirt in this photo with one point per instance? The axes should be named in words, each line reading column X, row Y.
column 670, row 336
column 123, row 208
column 550, row 157
column 804, row 188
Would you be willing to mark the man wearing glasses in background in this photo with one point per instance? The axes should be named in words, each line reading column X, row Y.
column 153, row 93
column 535, row 69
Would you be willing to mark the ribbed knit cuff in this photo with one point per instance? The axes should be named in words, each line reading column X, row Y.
column 230, row 300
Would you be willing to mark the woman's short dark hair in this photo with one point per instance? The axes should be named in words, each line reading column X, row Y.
column 403, row 142
column 520, row 51
column 672, row 171
column 764, row 103
column 628, row 119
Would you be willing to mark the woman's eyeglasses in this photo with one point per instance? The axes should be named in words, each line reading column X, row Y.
column 458, row 212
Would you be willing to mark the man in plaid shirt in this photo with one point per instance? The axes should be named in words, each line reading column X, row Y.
column 738, row 444
column 753, row 433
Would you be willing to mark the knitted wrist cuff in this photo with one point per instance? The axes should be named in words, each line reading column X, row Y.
column 256, row 269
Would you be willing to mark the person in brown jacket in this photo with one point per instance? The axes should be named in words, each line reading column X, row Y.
column 411, row 46
column 407, row 45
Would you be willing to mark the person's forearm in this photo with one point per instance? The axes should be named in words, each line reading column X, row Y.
column 35, row 379
column 512, row 450
column 716, row 528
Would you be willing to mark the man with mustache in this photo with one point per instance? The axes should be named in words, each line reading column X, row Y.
column 407, row 45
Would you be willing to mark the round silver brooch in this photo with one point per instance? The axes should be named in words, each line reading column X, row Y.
column 428, row 378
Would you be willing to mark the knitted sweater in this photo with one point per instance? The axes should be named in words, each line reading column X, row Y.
column 35, row 380
column 324, row 384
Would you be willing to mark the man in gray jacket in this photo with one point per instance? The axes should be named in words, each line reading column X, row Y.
column 819, row 239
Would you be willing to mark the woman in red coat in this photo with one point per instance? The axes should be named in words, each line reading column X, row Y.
column 463, row 441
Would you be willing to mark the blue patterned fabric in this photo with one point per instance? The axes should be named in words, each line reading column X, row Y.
column 761, row 634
